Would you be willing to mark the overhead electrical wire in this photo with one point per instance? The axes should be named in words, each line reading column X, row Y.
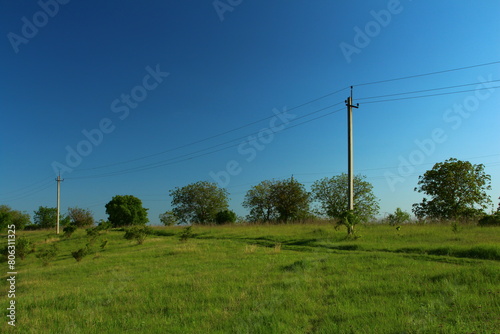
column 426, row 90
column 306, row 103
column 28, row 193
column 430, row 95
column 427, row 74
column 188, row 156
column 213, row 136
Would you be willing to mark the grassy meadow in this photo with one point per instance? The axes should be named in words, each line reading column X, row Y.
column 304, row 278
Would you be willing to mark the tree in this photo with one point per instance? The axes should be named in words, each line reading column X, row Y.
column 457, row 189
column 126, row 210
column 168, row 218
column 332, row 194
column 45, row 217
column 284, row 200
column 349, row 219
column 398, row 217
column 290, row 199
column 258, row 199
column 80, row 217
column 198, row 202
column 13, row 217
column 225, row 217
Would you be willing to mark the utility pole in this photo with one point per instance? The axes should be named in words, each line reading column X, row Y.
column 58, row 200
column 350, row 152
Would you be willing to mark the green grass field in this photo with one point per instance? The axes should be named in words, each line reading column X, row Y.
column 264, row 279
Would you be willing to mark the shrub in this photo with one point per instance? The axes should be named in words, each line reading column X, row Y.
column 24, row 247
column 224, row 217
column 137, row 233
column 93, row 233
column 186, row 234
column 103, row 225
column 69, row 230
column 168, row 218
column 490, row 220
column 47, row 254
column 398, row 217
column 80, row 254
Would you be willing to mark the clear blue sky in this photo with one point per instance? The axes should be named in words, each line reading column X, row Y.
column 150, row 81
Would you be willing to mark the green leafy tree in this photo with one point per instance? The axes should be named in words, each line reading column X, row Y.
column 332, row 195
column 398, row 217
column 260, row 202
column 126, row 210
column 225, row 217
column 282, row 200
column 349, row 219
column 45, row 217
column 291, row 200
column 13, row 217
column 168, row 218
column 457, row 189
column 198, row 202
column 80, row 217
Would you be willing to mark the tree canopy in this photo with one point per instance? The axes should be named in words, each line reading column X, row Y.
column 283, row 200
column 168, row 218
column 198, row 202
column 332, row 195
column 260, row 203
column 80, row 217
column 124, row 210
column 45, row 217
column 457, row 189
column 13, row 217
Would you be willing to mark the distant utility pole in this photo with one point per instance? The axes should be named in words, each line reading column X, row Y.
column 350, row 153
column 58, row 201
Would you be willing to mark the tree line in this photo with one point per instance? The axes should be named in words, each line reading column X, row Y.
column 454, row 190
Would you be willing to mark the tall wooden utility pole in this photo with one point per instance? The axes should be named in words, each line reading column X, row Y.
column 58, row 201
column 350, row 153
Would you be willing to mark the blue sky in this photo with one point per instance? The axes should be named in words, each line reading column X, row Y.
column 158, row 86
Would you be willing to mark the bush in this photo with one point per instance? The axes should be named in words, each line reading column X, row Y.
column 69, row 230
column 32, row 227
column 103, row 225
column 137, row 233
column 93, row 233
column 80, row 254
column 398, row 217
column 186, row 234
column 48, row 254
column 226, row 216
column 169, row 218
column 24, row 247
column 490, row 220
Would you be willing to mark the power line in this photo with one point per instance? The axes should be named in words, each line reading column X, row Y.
column 426, row 90
column 306, row 103
column 29, row 193
column 187, row 157
column 44, row 181
column 214, row 136
column 427, row 74
column 430, row 95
